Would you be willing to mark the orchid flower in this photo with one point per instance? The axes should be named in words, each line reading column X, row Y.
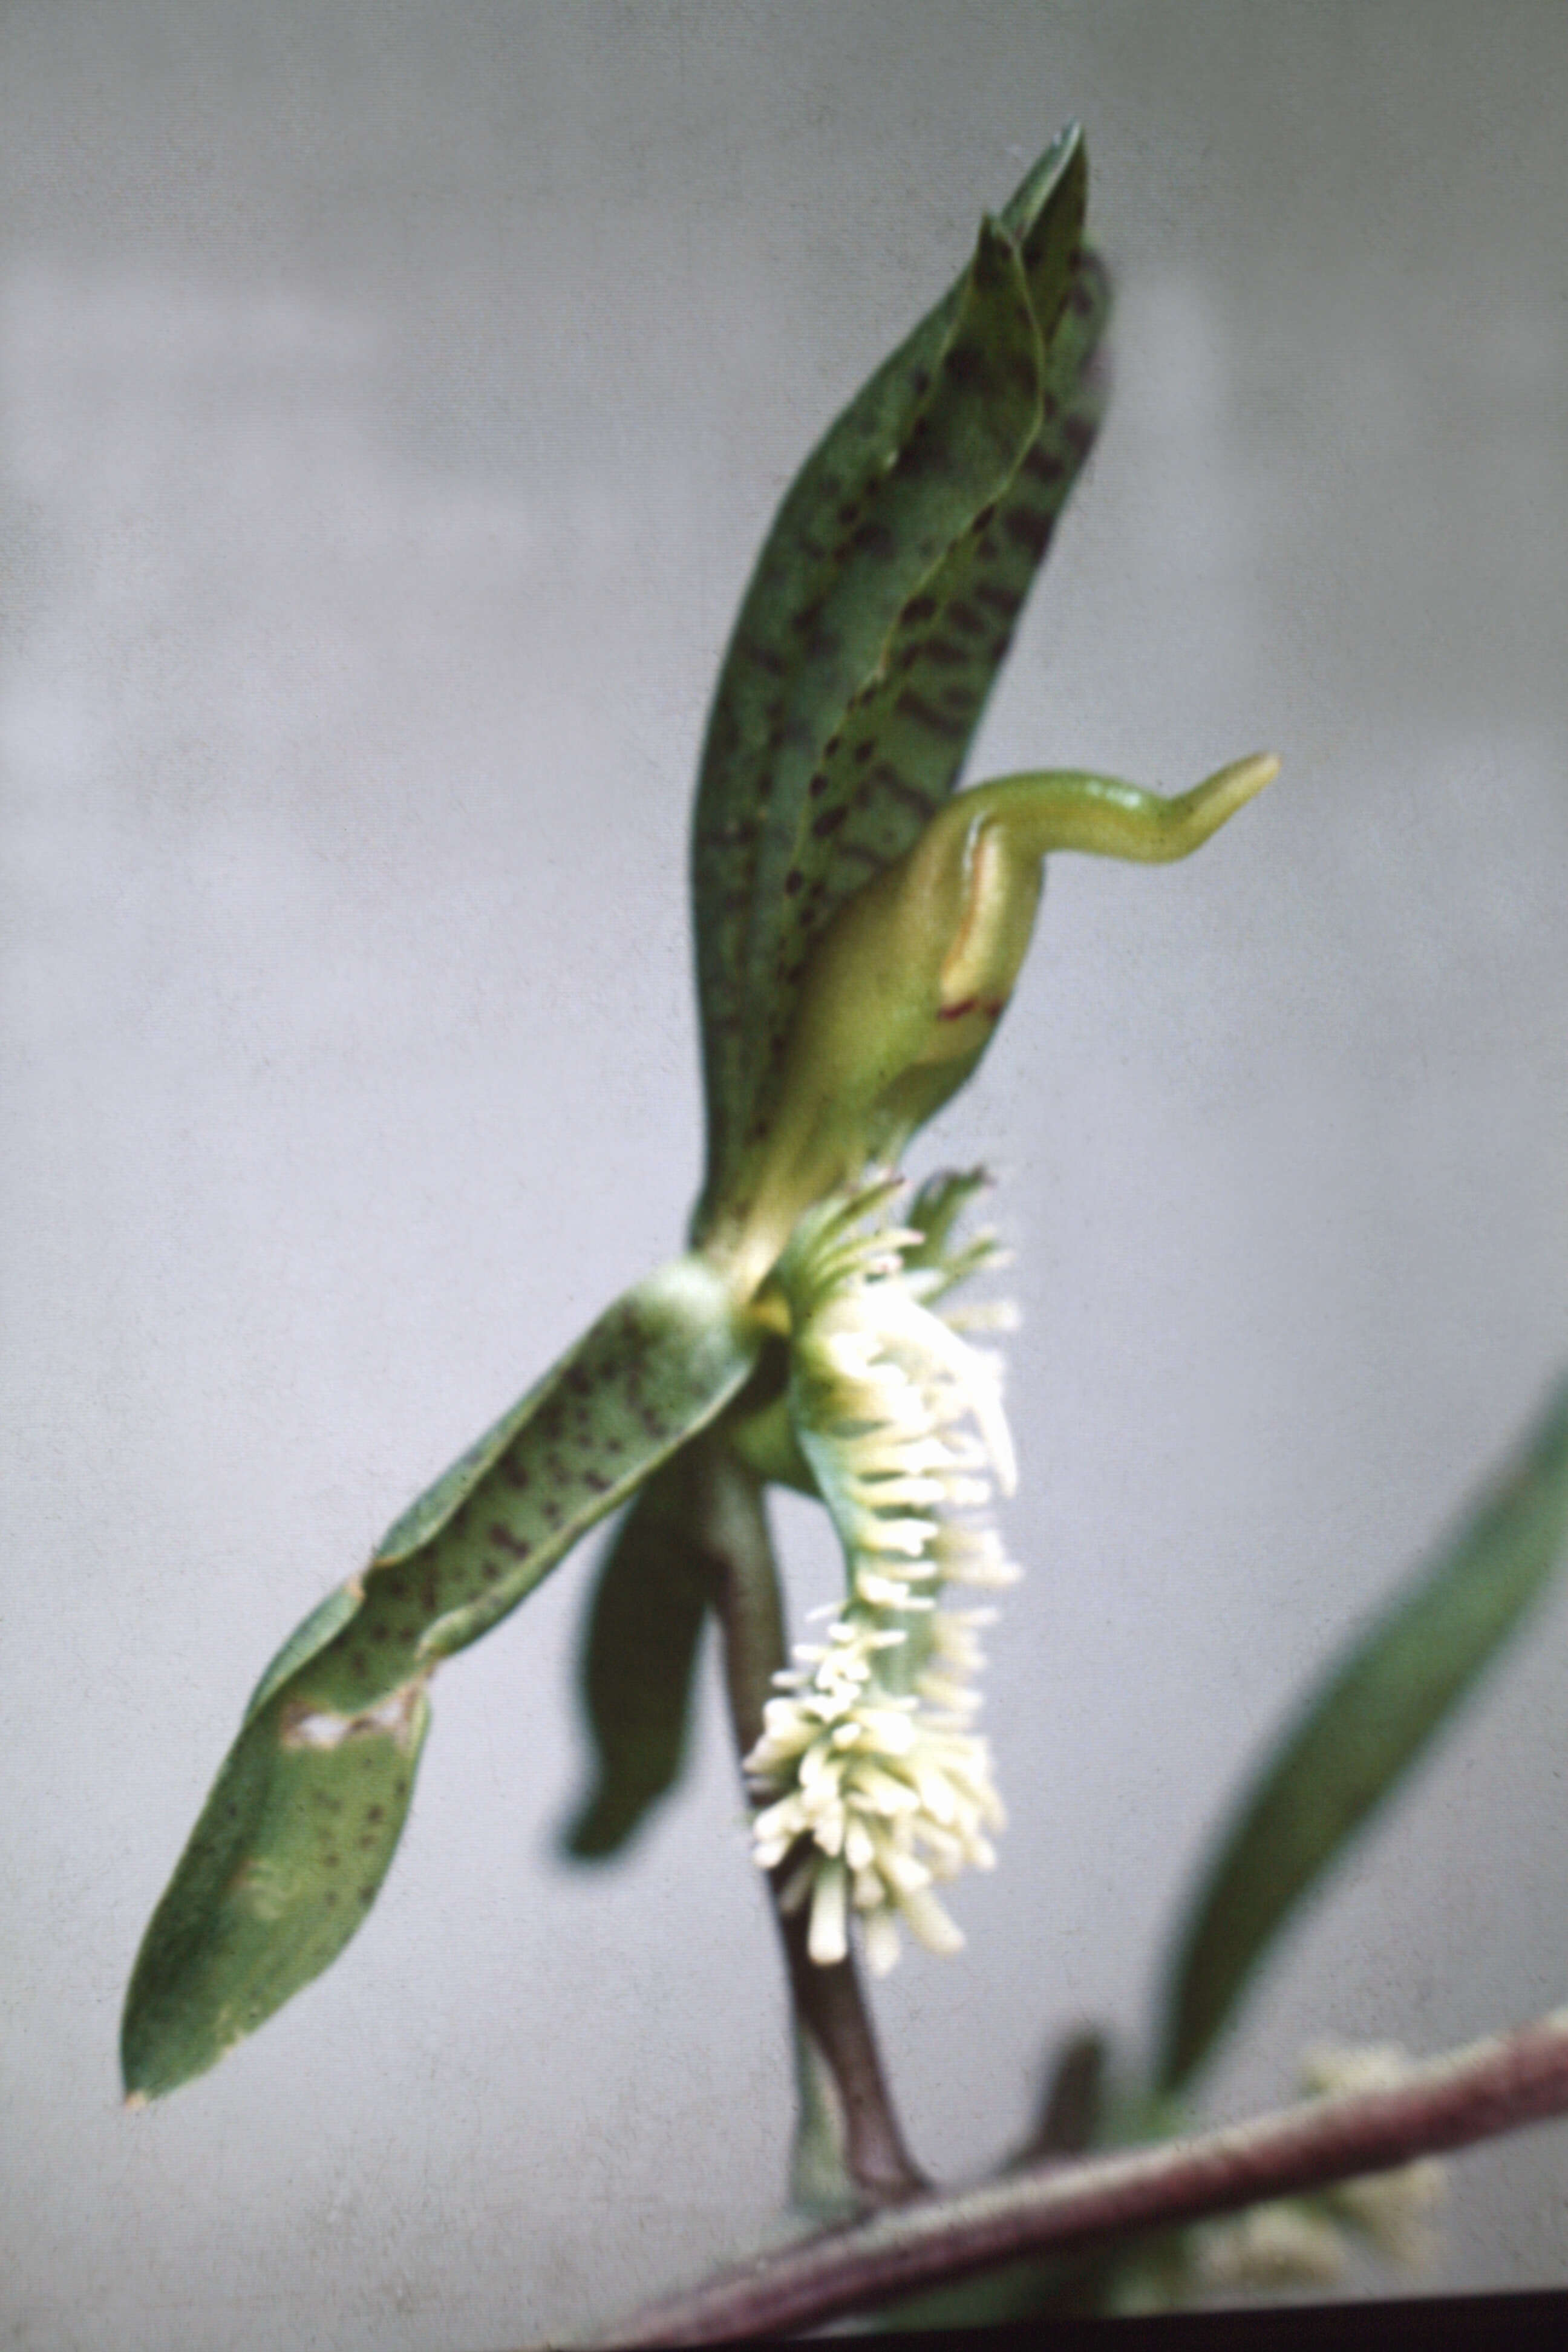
column 859, row 929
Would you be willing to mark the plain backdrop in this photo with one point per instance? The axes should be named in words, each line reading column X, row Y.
column 394, row 401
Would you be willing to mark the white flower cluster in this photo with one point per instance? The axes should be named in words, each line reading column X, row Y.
column 1393, row 2210
column 868, row 1757
column 1303, row 2241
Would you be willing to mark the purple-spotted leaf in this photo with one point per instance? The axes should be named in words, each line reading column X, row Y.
column 898, row 752
column 654, row 1368
column 878, row 612
column 302, row 1824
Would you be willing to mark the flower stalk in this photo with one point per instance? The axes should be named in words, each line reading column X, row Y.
column 830, row 2011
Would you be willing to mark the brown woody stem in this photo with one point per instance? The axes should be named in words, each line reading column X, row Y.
column 1471, row 2095
column 830, row 2007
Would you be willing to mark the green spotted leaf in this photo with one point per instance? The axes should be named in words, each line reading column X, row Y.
column 820, row 635
column 898, row 753
column 268, row 1891
column 639, row 1661
column 1361, row 1730
column 429, row 1512
column 654, row 1368
column 282, row 1866
column 312, row 1634
column 874, row 624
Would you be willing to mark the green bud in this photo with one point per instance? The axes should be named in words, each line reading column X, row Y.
column 908, row 981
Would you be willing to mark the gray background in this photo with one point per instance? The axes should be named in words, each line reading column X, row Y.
column 394, row 401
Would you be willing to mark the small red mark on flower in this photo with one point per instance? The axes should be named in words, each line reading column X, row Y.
column 992, row 1010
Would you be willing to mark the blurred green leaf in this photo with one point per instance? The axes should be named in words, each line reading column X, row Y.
column 880, row 607
column 639, row 1661
column 1361, row 1731
column 289, row 1852
column 1072, row 2110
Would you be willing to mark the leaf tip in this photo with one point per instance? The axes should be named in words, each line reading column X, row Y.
column 599, row 1831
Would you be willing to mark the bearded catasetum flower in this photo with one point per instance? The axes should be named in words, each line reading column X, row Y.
column 868, row 1765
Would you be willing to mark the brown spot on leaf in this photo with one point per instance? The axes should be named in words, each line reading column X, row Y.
column 1044, row 466
column 898, row 788
column 913, row 706
column 1029, row 530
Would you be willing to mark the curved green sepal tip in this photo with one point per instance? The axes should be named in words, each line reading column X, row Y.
column 903, row 992
column 282, row 1866
column 1361, row 1731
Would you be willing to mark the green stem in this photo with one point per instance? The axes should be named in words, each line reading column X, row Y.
column 830, row 2010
